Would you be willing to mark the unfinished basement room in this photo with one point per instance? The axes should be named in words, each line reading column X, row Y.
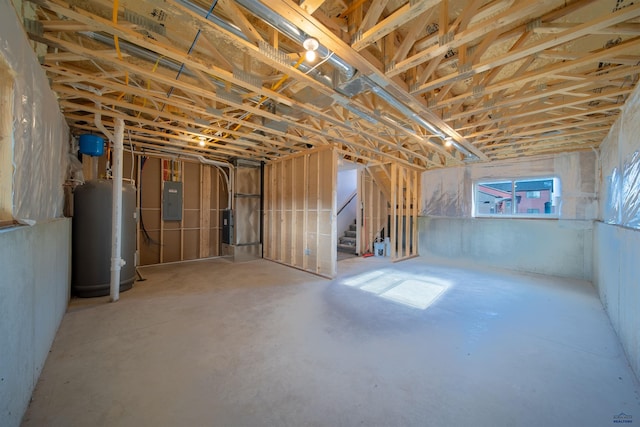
column 319, row 213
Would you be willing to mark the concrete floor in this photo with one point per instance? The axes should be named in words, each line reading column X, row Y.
column 212, row 343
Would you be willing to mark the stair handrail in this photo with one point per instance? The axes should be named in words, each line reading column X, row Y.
column 349, row 199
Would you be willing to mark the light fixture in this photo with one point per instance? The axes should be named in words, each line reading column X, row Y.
column 201, row 143
column 448, row 141
column 310, row 45
column 310, row 56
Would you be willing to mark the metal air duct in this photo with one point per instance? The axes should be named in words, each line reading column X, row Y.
column 294, row 33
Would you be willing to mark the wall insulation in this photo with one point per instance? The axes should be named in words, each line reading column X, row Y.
column 40, row 137
column 617, row 234
column 560, row 247
column 34, row 260
column 300, row 211
column 449, row 192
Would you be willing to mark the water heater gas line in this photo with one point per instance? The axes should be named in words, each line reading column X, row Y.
column 116, row 212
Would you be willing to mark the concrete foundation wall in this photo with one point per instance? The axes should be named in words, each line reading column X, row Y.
column 617, row 275
column 557, row 248
column 35, row 276
column 616, row 242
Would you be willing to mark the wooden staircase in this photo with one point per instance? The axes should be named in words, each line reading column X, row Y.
column 347, row 243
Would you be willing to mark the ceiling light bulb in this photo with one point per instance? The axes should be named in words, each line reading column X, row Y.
column 310, row 55
column 310, row 44
column 201, row 143
column 448, row 142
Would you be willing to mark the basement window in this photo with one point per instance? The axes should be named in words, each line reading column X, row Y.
column 531, row 197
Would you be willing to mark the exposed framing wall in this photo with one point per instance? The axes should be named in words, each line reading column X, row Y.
column 390, row 196
column 197, row 235
column 405, row 201
column 300, row 211
column 374, row 202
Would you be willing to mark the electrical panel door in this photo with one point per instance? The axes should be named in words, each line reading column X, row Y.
column 172, row 201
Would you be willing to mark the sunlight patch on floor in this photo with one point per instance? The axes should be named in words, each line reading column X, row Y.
column 409, row 289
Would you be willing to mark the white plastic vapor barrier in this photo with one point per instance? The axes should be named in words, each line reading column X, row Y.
column 449, row 192
column 40, row 137
column 631, row 192
column 622, row 190
column 620, row 160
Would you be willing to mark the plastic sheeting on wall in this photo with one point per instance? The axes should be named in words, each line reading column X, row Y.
column 630, row 212
column 449, row 192
column 611, row 191
column 40, row 134
column 620, row 165
column 622, row 188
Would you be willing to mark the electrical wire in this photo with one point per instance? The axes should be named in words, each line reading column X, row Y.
column 325, row 59
column 145, row 234
column 193, row 44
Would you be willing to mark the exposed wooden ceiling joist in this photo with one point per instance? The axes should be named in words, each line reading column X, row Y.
column 501, row 78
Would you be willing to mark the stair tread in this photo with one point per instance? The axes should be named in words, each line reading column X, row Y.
column 347, row 248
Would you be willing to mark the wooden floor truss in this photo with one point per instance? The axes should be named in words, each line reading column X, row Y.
column 492, row 79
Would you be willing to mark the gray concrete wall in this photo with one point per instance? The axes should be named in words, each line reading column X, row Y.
column 35, row 277
column 558, row 248
column 617, row 275
column 616, row 242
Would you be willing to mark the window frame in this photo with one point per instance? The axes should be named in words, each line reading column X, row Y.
column 7, row 87
column 556, row 194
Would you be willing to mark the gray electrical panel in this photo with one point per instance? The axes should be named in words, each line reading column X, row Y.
column 172, row 201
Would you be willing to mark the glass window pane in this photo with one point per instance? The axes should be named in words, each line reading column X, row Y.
column 535, row 197
column 494, row 198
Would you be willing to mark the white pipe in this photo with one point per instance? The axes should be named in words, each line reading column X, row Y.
column 98, row 122
column 116, row 212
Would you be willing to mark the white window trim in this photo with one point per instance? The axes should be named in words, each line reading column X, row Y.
column 552, row 216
